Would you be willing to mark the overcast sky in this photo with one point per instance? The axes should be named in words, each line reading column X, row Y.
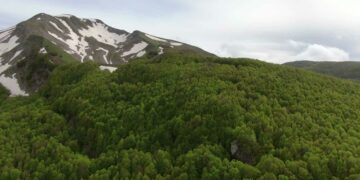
column 271, row 30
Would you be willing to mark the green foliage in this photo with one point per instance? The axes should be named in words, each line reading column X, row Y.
column 4, row 93
column 183, row 117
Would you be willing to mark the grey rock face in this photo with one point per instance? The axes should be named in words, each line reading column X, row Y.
column 243, row 152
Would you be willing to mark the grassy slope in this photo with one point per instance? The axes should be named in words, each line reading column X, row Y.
column 178, row 116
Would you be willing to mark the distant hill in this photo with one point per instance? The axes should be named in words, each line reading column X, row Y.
column 346, row 70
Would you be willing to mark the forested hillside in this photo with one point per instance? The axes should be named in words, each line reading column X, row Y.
column 183, row 117
column 346, row 70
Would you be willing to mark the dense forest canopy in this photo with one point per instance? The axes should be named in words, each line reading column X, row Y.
column 183, row 117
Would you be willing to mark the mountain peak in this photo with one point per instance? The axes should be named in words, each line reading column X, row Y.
column 79, row 38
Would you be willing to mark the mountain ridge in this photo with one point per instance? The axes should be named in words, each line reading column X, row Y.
column 82, row 39
column 341, row 69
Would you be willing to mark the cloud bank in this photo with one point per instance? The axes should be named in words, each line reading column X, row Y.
column 322, row 53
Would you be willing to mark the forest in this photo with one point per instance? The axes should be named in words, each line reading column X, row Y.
column 183, row 117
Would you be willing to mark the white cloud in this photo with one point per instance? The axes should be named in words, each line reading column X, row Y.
column 266, row 51
column 297, row 44
column 282, row 52
column 318, row 52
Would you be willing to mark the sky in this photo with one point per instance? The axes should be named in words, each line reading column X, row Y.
column 275, row 31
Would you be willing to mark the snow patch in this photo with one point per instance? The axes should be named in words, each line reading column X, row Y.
column 161, row 50
column 70, row 51
column 39, row 18
column 101, row 33
column 11, row 29
column 155, row 38
column 56, row 26
column 135, row 49
column 7, row 46
column 105, row 55
column 109, row 68
column 4, row 67
column 76, row 44
column 16, row 54
column 65, row 15
column 56, row 36
column 176, row 44
column 141, row 54
column 42, row 51
column 11, row 83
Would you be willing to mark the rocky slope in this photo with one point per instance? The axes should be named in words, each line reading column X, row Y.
column 54, row 39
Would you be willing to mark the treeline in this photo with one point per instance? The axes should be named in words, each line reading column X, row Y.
column 183, row 117
column 4, row 93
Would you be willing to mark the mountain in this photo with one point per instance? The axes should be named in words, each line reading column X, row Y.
column 346, row 70
column 30, row 50
column 181, row 116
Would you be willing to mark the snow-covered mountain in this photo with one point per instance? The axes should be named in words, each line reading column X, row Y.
column 70, row 37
